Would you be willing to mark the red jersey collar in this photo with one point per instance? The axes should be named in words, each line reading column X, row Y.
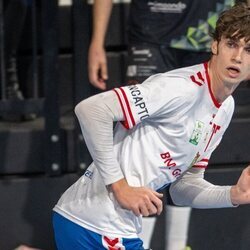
column 216, row 103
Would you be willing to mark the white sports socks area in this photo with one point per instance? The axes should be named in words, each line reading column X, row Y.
column 177, row 224
column 148, row 224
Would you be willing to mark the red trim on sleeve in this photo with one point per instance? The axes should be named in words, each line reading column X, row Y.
column 205, row 160
column 128, row 106
column 199, row 166
column 216, row 103
column 124, row 123
column 202, row 163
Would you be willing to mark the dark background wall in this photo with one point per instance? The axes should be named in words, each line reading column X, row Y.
column 29, row 191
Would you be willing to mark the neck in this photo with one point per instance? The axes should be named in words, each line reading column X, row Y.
column 219, row 87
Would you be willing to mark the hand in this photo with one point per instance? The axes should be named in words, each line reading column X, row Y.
column 141, row 200
column 240, row 193
column 97, row 66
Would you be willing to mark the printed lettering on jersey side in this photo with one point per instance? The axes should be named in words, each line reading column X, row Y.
column 176, row 173
column 198, row 79
column 197, row 133
column 168, row 160
column 139, row 102
column 170, row 164
column 88, row 174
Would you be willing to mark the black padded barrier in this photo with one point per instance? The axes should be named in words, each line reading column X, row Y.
column 46, row 106
column 26, row 209
column 26, row 205
column 53, row 150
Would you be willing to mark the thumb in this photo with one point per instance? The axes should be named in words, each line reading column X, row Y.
column 159, row 195
column 104, row 71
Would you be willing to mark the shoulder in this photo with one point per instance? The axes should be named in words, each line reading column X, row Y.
column 183, row 82
column 225, row 112
column 228, row 106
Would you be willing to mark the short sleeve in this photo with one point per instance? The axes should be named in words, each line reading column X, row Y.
column 158, row 97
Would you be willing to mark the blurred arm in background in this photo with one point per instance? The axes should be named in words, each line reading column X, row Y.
column 97, row 61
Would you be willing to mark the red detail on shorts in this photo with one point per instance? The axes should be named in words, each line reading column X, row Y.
column 112, row 243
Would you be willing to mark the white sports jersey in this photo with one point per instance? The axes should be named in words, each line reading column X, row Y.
column 172, row 122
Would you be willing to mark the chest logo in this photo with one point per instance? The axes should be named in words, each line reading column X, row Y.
column 197, row 133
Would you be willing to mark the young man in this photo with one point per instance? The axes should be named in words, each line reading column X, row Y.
column 169, row 127
column 162, row 35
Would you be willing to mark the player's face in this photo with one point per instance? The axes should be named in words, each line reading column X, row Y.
column 232, row 60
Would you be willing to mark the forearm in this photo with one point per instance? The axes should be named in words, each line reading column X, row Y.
column 192, row 190
column 96, row 115
column 101, row 14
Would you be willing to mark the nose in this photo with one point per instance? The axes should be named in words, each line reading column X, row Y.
column 237, row 56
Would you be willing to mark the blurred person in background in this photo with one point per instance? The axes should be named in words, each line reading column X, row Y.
column 15, row 13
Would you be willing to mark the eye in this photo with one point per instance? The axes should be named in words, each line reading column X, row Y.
column 231, row 44
column 247, row 50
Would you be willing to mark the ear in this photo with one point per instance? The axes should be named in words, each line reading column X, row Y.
column 214, row 47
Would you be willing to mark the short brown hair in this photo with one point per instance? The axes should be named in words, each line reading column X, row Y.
column 233, row 23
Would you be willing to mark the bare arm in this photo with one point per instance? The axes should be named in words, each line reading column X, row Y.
column 97, row 62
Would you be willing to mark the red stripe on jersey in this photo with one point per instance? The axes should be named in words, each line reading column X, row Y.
column 194, row 80
column 124, row 123
column 216, row 103
column 199, row 166
column 205, row 160
column 215, row 129
column 202, row 163
column 200, row 76
column 128, row 106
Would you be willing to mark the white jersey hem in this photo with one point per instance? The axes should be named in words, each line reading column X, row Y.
column 83, row 224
